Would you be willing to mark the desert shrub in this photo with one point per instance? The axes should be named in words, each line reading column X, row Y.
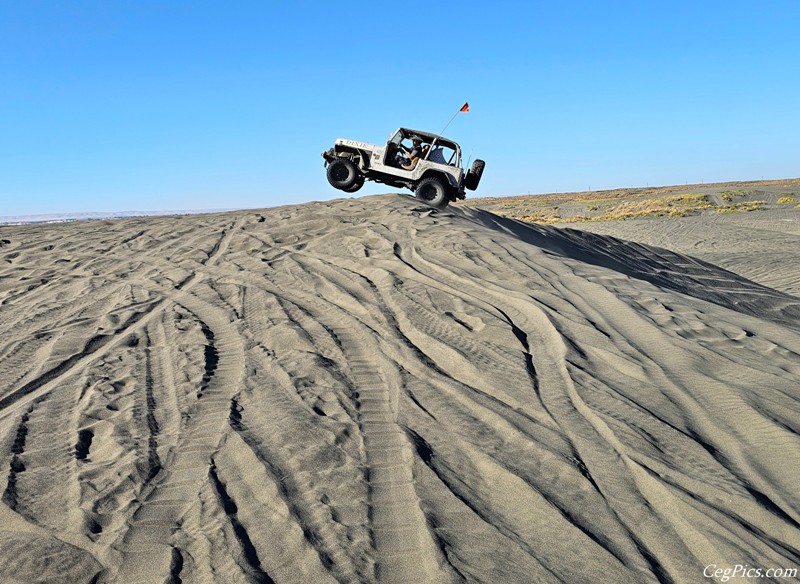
column 669, row 206
column 728, row 196
column 742, row 207
column 551, row 217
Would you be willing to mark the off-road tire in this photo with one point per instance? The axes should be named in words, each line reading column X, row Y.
column 356, row 185
column 474, row 174
column 432, row 191
column 342, row 173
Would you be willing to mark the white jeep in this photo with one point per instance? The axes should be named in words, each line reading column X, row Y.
column 436, row 177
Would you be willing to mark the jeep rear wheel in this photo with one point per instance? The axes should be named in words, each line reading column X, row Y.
column 433, row 192
column 342, row 174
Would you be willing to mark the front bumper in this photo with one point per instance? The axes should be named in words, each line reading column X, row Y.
column 328, row 155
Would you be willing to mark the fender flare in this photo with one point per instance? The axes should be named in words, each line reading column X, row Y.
column 445, row 177
column 362, row 155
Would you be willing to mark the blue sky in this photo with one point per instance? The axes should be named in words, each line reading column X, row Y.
column 119, row 105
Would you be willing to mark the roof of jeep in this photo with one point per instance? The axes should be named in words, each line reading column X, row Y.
column 428, row 137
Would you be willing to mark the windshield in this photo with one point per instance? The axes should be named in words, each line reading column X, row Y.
column 397, row 137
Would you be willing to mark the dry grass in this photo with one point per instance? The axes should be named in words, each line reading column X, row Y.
column 740, row 207
column 633, row 203
column 680, row 205
column 729, row 195
column 670, row 206
column 551, row 217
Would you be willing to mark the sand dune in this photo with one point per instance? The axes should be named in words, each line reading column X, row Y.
column 761, row 246
column 370, row 390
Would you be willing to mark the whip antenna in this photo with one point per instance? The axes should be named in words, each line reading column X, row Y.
column 464, row 108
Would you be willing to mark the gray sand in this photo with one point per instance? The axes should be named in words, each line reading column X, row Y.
column 369, row 390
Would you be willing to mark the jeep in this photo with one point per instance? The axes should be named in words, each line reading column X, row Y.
column 436, row 177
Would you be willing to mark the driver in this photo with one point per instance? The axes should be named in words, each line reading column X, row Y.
column 417, row 151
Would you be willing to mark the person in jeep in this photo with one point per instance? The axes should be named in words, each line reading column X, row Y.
column 417, row 151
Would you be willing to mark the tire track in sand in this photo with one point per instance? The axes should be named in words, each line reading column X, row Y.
column 148, row 547
column 100, row 343
column 597, row 452
column 405, row 551
column 404, row 547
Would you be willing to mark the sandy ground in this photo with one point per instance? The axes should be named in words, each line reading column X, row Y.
column 369, row 390
column 763, row 246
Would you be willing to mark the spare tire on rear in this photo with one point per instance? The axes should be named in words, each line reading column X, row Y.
column 474, row 175
column 342, row 173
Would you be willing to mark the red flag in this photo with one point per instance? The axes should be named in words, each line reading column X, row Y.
column 465, row 107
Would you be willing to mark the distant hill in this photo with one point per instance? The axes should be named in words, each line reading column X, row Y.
column 89, row 216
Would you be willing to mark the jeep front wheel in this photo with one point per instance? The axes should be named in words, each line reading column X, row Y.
column 342, row 173
column 433, row 192
column 359, row 182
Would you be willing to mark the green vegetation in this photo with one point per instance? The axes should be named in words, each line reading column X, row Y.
column 785, row 200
